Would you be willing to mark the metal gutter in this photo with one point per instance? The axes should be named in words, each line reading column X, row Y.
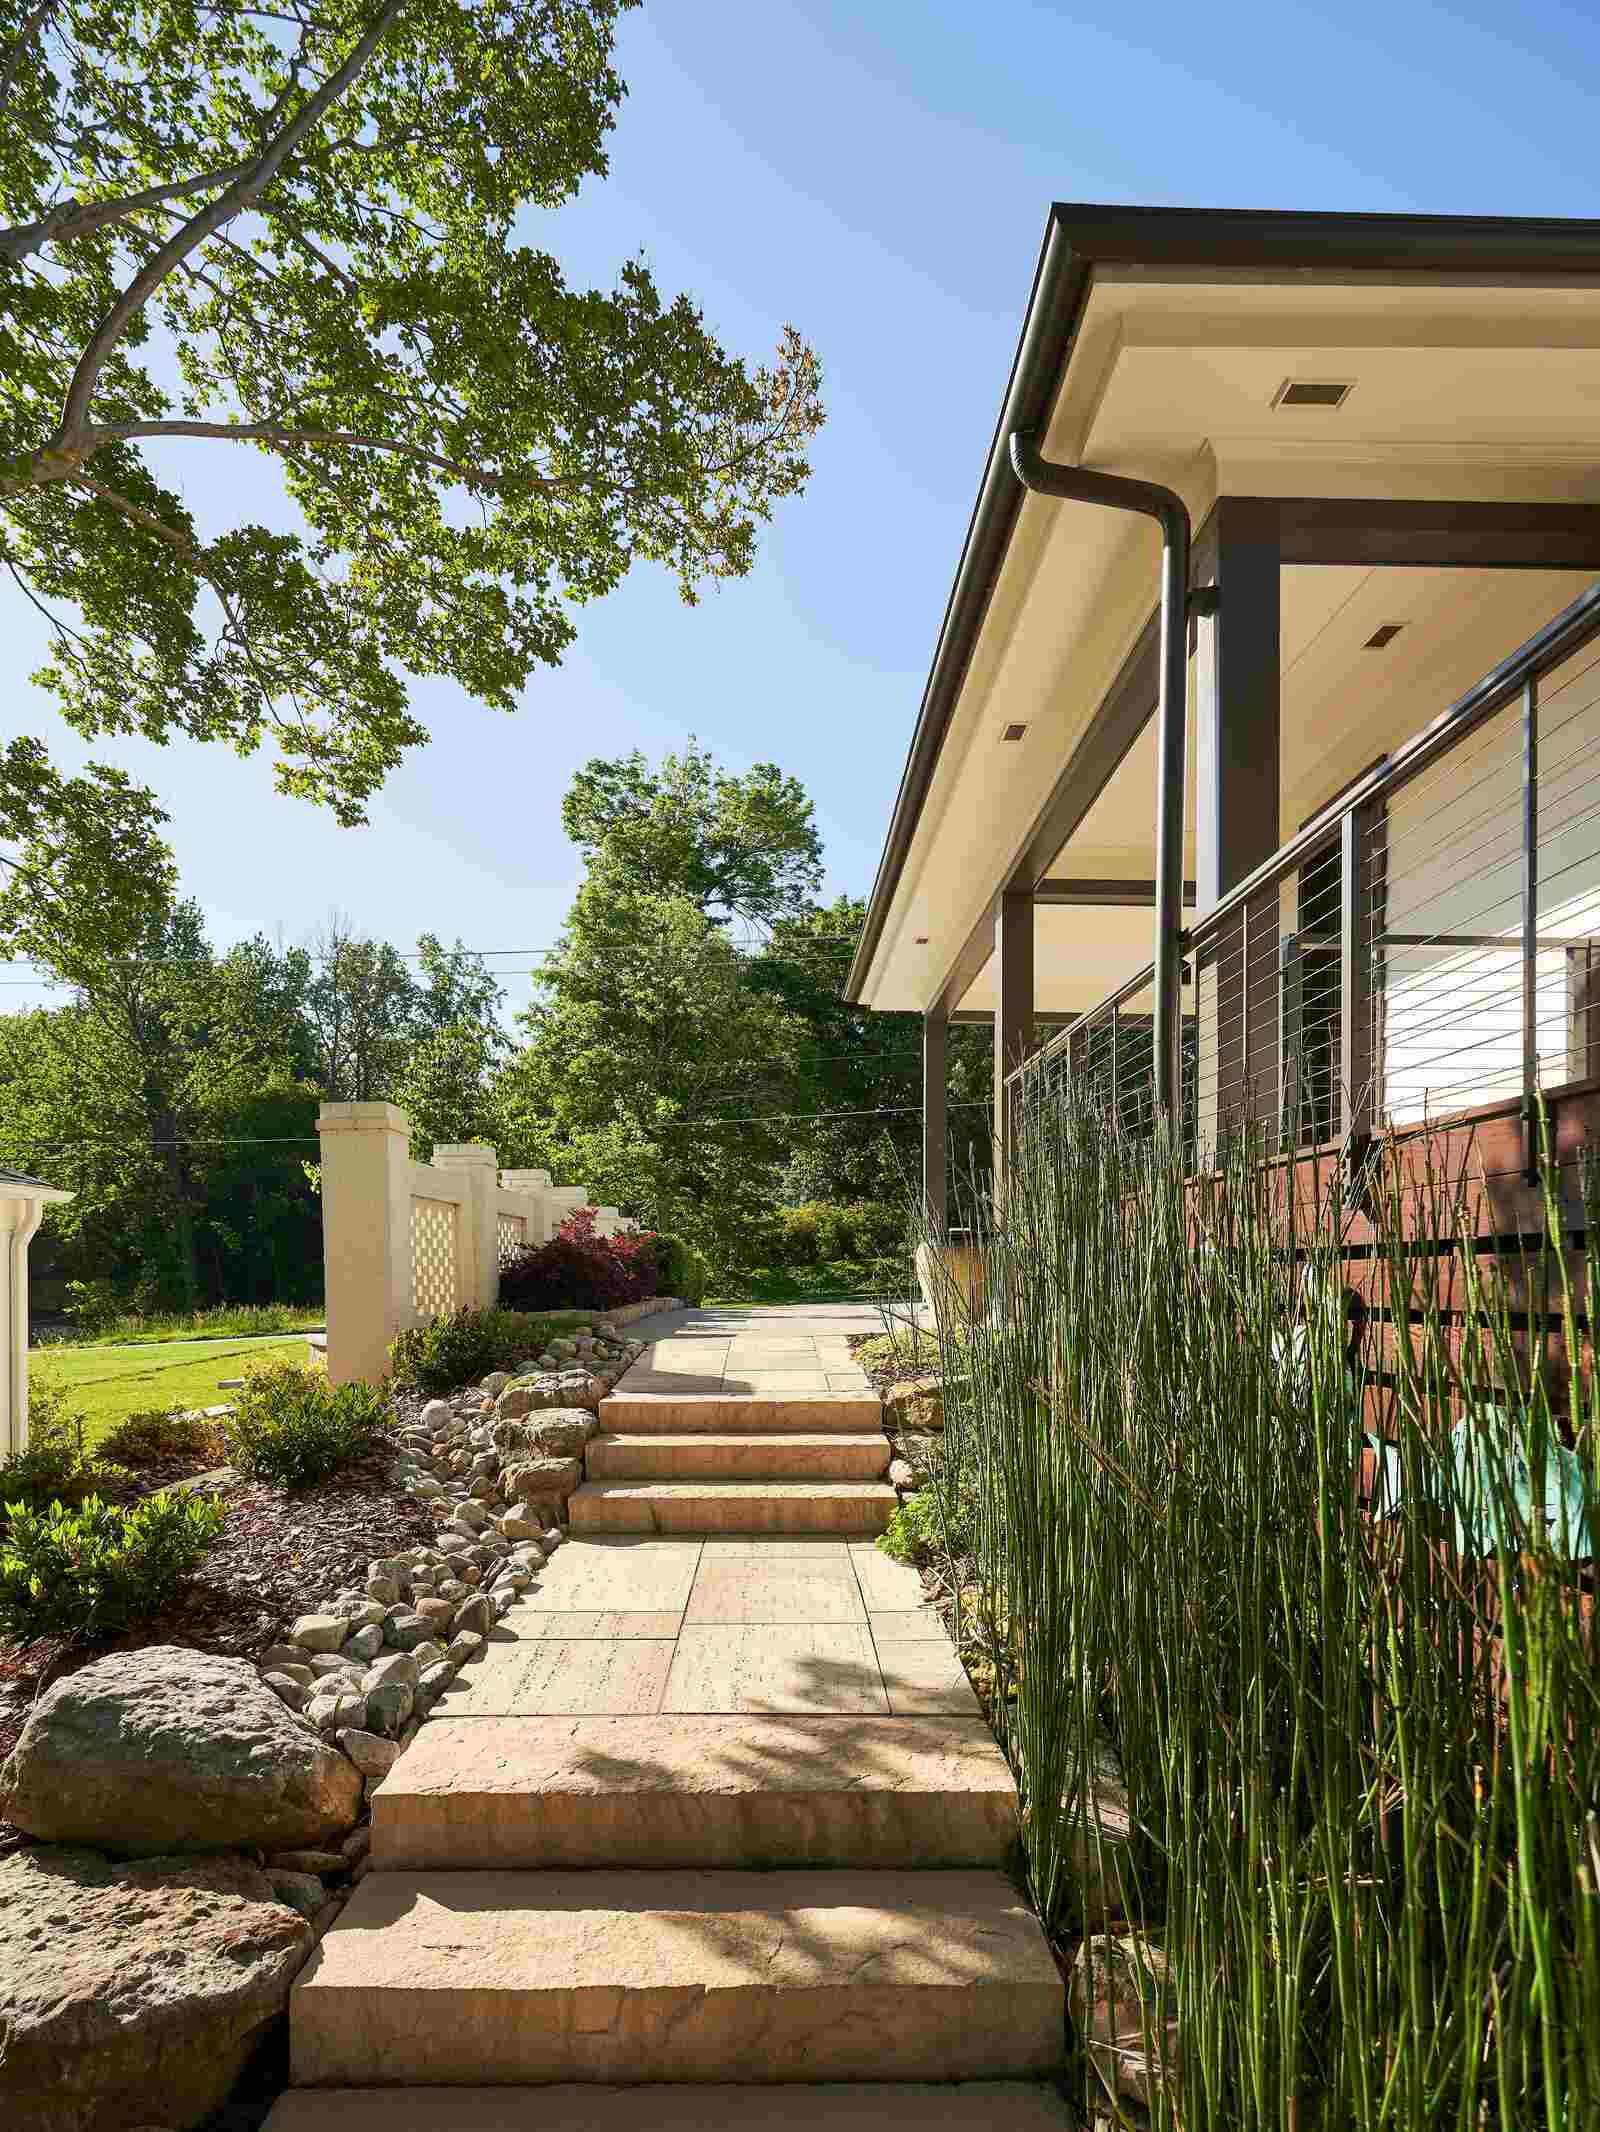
column 1117, row 492
column 1078, row 237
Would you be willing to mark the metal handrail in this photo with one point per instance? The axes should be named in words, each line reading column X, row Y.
column 1565, row 633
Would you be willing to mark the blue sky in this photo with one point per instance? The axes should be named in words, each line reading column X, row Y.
column 878, row 175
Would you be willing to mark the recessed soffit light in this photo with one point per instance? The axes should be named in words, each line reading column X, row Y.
column 1313, row 392
column 1383, row 635
column 1014, row 732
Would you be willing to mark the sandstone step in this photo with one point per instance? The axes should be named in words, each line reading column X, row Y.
column 473, row 1979
column 746, row 1791
column 731, row 1506
column 701, row 1455
column 654, row 1413
column 913, row 2106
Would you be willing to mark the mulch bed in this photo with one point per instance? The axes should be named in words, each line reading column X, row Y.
column 882, row 1376
column 277, row 1554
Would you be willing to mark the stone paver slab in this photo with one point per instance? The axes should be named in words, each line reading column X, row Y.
column 705, row 1454
column 622, row 1575
column 564, row 1679
column 800, row 1666
column 738, row 1413
column 731, row 1506
column 598, row 1627
column 915, row 1624
column 925, row 1677
column 869, row 2106
column 711, row 1791
column 887, row 1586
column 787, row 1588
column 439, row 1978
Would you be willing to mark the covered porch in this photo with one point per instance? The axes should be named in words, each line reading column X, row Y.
column 1318, row 854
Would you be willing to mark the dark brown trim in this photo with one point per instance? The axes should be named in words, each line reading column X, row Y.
column 935, row 1120
column 1060, row 282
column 1140, row 894
column 1124, row 711
column 1013, row 1010
column 975, row 952
column 1435, row 535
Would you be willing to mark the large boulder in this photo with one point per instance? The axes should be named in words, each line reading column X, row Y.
column 133, row 1994
column 164, row 1750
column 915, row 1403
column 557, row 1432
column 544, row 1484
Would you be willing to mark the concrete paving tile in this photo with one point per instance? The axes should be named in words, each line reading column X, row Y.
column 887, row 1586
column 778, row 1544
column 920, row 1624
column 765, row 1384
column 533, row 1627
column 784, row 1666
column 619, row 1576
column 876, row 2106
column 565, row 1679
column 780, row 1588
column 850, row 1380
column 926, row 1677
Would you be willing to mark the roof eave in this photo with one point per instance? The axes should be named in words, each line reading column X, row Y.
column 1078, row 236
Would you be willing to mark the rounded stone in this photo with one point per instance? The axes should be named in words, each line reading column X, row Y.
column 169, row 1750
column 319, row 1632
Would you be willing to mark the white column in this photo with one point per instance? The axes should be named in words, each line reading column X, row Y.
column 478, row 1279
column 366, row 1234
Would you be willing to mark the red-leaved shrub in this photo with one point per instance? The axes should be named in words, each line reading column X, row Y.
column 578, row 1270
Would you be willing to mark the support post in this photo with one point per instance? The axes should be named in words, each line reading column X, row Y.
column 366, row 1234
column 1357, row 1093
column 1237, row 780
column 1013, row 1017
column 1530, row 930
column 479, row 1276
column 536, row 1184
column 935, row 1119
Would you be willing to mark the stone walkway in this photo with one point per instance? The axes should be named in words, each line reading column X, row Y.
column 742, row 1421
column 713, row 1833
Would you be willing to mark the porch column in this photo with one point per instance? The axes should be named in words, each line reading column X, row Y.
column 1238, row 745
column 1013, row 1015
column 935, row 1118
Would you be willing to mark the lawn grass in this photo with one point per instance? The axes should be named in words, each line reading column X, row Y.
column 833, row 1281
column 241, row 1321
column 108, row 1383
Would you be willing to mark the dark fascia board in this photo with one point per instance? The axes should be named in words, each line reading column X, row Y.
column 1078, row 237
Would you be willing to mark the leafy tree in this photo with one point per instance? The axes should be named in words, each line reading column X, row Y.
column 736, row 847
column 646, row 1039
column 136, row 1086
column 292, row 230
column 861, row 1071
column 361, row 1009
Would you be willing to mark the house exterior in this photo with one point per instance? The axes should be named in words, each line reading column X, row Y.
column 1257, row 777
column 23, row 1200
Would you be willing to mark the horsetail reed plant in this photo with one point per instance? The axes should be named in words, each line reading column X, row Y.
column 1352, row 1687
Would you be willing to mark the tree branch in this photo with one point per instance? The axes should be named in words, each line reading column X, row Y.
column 286, row 433
column 25, row 36
column 71, row 219
column 238, row 196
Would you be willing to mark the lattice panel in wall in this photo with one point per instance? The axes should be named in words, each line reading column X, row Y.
column 511, row 1236
column 433, row 1257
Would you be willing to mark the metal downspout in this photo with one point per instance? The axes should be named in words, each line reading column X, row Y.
column 1119, row 492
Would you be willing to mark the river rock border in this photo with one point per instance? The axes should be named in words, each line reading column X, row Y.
column 496, row 1463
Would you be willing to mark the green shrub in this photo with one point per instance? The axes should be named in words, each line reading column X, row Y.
column 97, row 1568
column 680, row 1270
column 935, row 1523
column 825, row 1232
column 293, row 1427
column 161, row 1432
column 55, row 1467
column 451, row 1351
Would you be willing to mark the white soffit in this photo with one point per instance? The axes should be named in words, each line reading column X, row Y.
column 1459, row 388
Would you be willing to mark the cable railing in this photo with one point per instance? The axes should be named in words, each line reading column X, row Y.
column 1428, row 944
